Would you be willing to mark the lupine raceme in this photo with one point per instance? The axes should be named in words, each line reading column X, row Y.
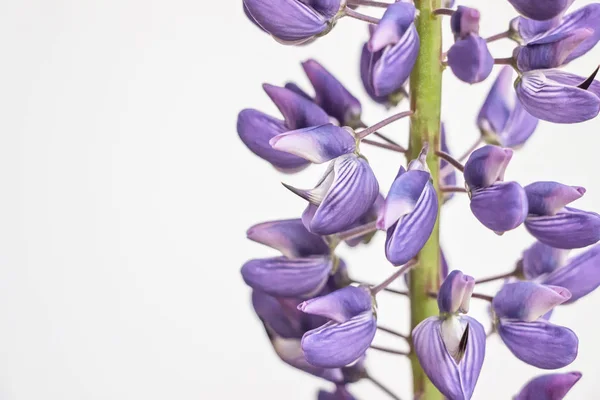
column 317, row 316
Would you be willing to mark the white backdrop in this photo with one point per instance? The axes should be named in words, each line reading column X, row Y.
column 126, row 194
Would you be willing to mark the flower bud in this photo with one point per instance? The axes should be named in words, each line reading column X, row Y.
column 464, row 21
column 455, row 293
column 527, row 301
column 470, row 59
column 486, row 166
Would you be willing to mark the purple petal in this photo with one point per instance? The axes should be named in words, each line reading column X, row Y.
column 290, row 352
column 549, row 387
column 568, row 79
column 548, row 198
column 545, row 96
column 455, row 380
column 281, row 276
column 256, row 129
column 371, row 216
column 568, row 229
column 455, row 293
column 464, row 21
column 580, row 276
column 540, row 343
column 495, row 112
column 519, row 127
column 527, row 301
column 529, row 29
column 341, row 393
column 298, row 111
column 585, row 17
column 550, row 51
column 286, row 324
column 317, row 144
column 341, row 305
column 408, row 236
column 541, row 259
column 470, row 59
column 500, row 207
column 288, row 236
column 486, row 166
column 396, row 20
column 367, row 64
column 331, row 95
column 296, row 89
column 539, row 10
column 338, row 344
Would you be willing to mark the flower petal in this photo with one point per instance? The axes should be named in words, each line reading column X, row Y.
column 547, row 198
column 495, row 111
column 297, row 111
column 500, row 207
column 470, row 59
column 281, row 276
column 568, row 229
column 541, row 259
column 519, row 127
column 455, row 380
column 455, row 293
column 275, row 317
column 541, row 11
column 371, row 216
column 341, row 393
column 317, row 144
column 549, row 387
column 540, row 343
column 367, row 64
column 403, row 196
column 394, row 23
column 486, row 166
column 341, row 305
column 408, row 236
column 585, row 17
column 580, row 276
column 552, row 50
column 464, row 21
column 527, row 301
column 289, row 236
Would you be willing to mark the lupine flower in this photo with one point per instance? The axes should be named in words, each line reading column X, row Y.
column 451, row 347
column 524, row 30
column 464, row 21
column 541, row 10
column 409, row 212
column 540, row 259
column 531, row 339
column 369, row 216
column 558, row 96
column 294, row 21
column 550, row 222
column 500, row 206
column 349, row 333
column 499, row 122
column 256, row 129
column 341, row 393
column 390, row 55
column 470, row 59
column 549, row 387
column 344, row 194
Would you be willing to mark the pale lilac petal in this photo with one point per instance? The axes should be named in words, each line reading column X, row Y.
column 552, row 50
column 585, row 17
column 547, row 198
column 296, row 89
column 549, row 387
column 568, row 79
column 580, row 276
column 540, row 343
column 486, row 166
column 396, row 20
column 470, row 59
column 495, row 112
column 519, row 127
column 297, row 111
column 500, row 207
column 341, row 305
column 455, row 293
column 403, row 196
column 541, row 10
column 568, row 229
column 464, row 21
column 288, row 236
column 290, row 352
column 528, row 301
column 530, row 29
column 541, row 259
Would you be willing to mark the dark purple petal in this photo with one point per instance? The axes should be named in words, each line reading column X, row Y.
column 470, row 59
column 402, row 197
column 256, row 129
column 395, row 22
column 495, row 112
column 341, row 393
column 281, row 276
column 329, row 8
column 580, row 276
column 408, row 236
column 341, row 305
column 547, row 198
column 527, row 301
column 568, row 229
column 296, row 89
column 367, row 64
column 455, row 293
column 456, row 380
column 464, row 21
column 519, row 128
column 549, row 387
column 540, row 343
column 289, row 236
column 541, row 10
column 541, row 259
column 317, row 144
column 486, row 166
column 500, row 207
column 331, row 95
column 297, row 111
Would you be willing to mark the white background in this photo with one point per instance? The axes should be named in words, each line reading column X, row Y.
column 126, row 193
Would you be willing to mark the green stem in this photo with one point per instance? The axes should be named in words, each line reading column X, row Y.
column 425, row 95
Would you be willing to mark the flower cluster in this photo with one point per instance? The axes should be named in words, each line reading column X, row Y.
column 322, row 321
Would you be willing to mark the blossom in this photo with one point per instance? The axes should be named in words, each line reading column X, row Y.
column 549, row 387
column 470, row 59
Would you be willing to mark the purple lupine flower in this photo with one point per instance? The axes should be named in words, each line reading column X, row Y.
column 498, row 122
column 294, row 21
column 470, row 59
column 390, row 55
column 524, row 30
column 550, row 222
column 256, row 129
column 451, row 347
column 409, row 212
column 341, row 393
column 349, row 333
column 549, row 387
column 464, row 21
column 528, row 301
column 344, row 194
column 540, row 259
column 541, row 11
column 558, row 96
column 332, row 96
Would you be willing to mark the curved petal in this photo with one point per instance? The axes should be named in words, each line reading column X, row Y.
column 455, row 380
column 256, row 129
column 403, row 196
column 464, row 21
column 336, row 345
column 565, row 78
column 495, row 112
column 530, row 29
column 541, row 11
column 486, row 166
column 298, row 111
column 519, row 127
column 370, row 216
column 290, row 352
column 317, row 144
column 547, row 198
column 549, row 387
column 408, row 236
column 341, row 305
column 455, row 293
column 528, row 301
column 296, row 89
column 541, row 259
column 470, row 59
column 500, row 207
column 286, row 277
column 580, row 276
column 394, row 23
column 274, row 316
column 540, row 343
column 367, row 64
column 552, row 50
column 568, row 229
